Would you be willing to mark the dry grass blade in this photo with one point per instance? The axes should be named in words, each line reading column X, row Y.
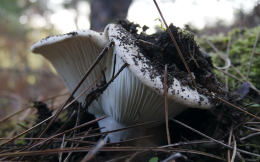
column 210, row 138
column 62, row 146
column 94, row 151
column 131, row 158
column 98, row 59
column 229, row 143
column 222, row 56
column 235, row 149
column 166, row 106
column 176, row 45
column 249, row 136
column 252, row 56
column 174, row 157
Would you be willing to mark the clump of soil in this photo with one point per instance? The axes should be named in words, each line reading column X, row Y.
column 160, row 50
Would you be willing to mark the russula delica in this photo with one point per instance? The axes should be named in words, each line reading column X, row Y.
column 135, row 96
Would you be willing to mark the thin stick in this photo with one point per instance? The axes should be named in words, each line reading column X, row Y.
column 252, row 56
column 98, row 59
column 176, row 45
column 237, row 107
column 166, row 105
column 212, row 139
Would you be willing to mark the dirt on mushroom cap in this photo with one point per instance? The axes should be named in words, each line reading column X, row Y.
column 160, row 50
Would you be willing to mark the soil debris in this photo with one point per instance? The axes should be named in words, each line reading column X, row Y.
column 159, row 49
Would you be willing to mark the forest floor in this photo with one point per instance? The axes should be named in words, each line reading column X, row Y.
column 227, row 132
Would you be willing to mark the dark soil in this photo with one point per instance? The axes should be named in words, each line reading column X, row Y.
column 160, row 50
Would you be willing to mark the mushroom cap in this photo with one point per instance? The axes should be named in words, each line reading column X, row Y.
column 127, row 49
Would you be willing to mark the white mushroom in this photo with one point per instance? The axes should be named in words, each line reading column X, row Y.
column 134, row 96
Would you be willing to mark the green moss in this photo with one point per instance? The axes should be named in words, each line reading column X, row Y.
column 242, row 43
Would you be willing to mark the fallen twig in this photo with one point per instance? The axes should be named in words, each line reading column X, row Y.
column 166, row 106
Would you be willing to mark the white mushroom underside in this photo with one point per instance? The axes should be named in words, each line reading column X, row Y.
column 72, row 56
column 129, row 101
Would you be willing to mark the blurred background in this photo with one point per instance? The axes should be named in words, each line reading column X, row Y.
column 25, row 77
